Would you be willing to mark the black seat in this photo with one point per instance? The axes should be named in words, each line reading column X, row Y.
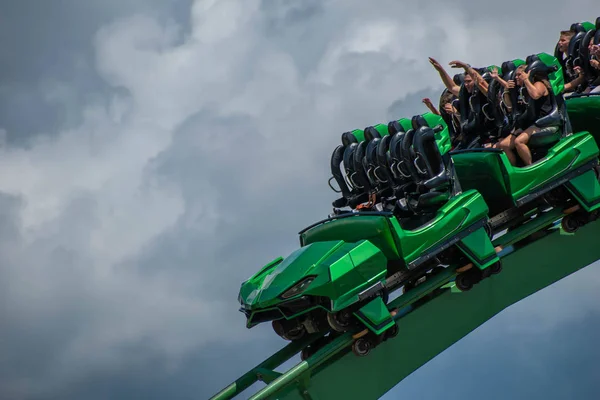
column 573, row 53
column 336, row 172
column 370, row 164
column 418, row 121
column 354, row 193
column 497, row 109
column 398, row 167
column 473, row 126
column 430, row 176
column 360, row 190
column 429, row 160
column 590, row 73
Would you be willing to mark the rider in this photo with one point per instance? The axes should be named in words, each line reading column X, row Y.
column 454, row 89
column 537, row 89
column 594, row 51
column 573, row 77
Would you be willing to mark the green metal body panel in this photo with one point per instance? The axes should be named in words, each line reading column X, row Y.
column 584, row 115
column 518, row 62
column 382, row 129
column 556, row 78
column 477, row 247
column 459, row 213
column 586, row 190
column 368, row 266
column 359, row 134
column 375, row 228
column 375, row 316
column 334, row 372
column 588, row 26
column 405, row 123
column 501, row 184
column 340, row 270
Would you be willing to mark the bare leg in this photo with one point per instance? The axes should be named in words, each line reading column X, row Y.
column 507, row 144
column 521, row 144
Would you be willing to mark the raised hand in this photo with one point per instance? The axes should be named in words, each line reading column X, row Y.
column 494, row 73
column 435, row 64
column 458, row 64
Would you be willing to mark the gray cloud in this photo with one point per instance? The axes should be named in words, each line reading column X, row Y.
column 174, row 151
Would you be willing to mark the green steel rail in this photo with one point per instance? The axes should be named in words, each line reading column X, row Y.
column 335, row 372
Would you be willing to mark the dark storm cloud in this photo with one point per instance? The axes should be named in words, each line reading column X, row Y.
column 48, row 64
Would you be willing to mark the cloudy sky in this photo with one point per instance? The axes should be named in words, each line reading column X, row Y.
column 154, row 154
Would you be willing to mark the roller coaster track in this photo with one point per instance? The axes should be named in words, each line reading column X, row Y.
column 426, row 330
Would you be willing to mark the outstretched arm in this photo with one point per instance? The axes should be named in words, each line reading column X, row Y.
column 448, row 82
column 496, row 77
column 481, row 83
column 430, row 105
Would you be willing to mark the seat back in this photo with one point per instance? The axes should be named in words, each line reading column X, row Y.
column 429, row 161
column 471, row 117
column 348, row 138
column 359, row 168
column 590, row 73
column 483, row 170
column 336, row 158
column 348, row 159
column 397, row 165
column 408, row 155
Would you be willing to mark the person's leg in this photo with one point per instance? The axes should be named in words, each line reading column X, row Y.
column 521, row 144
column 507, row 144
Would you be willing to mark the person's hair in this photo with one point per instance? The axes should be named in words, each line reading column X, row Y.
column 446, row 97
column 568, row 34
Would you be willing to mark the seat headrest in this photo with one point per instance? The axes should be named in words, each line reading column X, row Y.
column 574, row 44
column 348, row 138
column 394, row 127
column 507, row 65
column 459, row 79
column 371, row 133
column 508, row 68
column 539, row 68
column 418, row 121
column 577, row 27
column 349, row 156
column 531, row 58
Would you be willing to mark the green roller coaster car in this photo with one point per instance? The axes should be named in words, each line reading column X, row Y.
column 347, row 265
column 564, row 172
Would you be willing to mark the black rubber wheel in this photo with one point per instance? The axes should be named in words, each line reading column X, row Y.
column 496, row 268
column 464, row 282
column 488, row 229
column 340, row 321
column 569, row 223
column 306, row 353
column 295, row 333
column 392, row 332
column 361, row 347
